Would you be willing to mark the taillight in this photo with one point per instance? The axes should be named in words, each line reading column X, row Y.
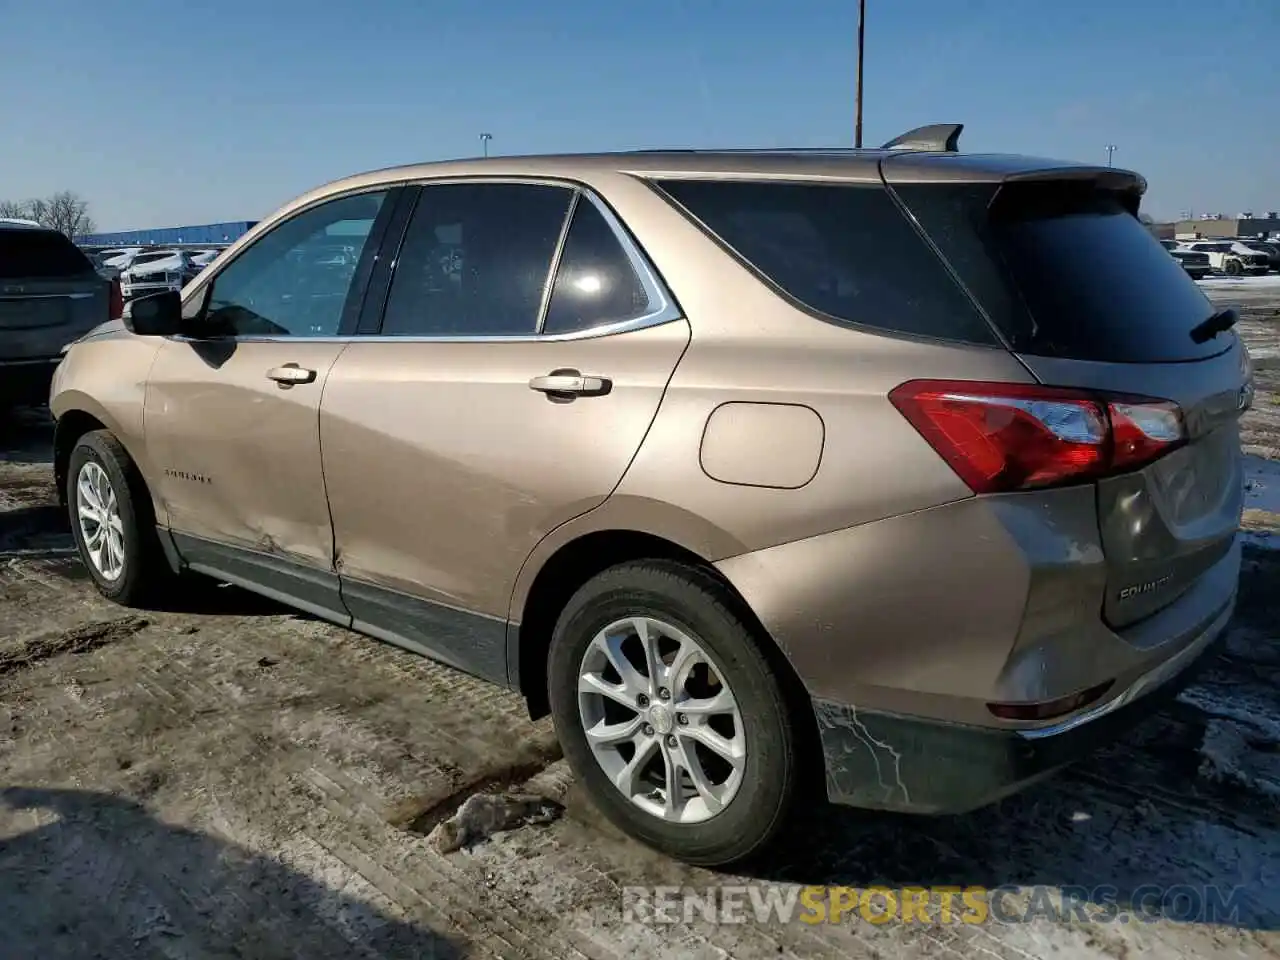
column 116, row 297
column 1000, row 437
column 1048, row 709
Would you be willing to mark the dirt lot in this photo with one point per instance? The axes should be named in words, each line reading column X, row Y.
column 226, row 779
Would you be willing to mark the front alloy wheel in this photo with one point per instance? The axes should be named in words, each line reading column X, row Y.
column 112, row 521
column 661, row 720
column 98, row 511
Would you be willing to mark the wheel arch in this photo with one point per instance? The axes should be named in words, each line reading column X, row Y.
column 75, row 415
column 575, row 561
column 70, row 426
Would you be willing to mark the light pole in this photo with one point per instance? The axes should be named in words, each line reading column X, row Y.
column 1111, row 148
column 484, row 139
column 857, row 124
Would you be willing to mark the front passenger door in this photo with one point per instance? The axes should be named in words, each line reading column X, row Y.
column 232, row 410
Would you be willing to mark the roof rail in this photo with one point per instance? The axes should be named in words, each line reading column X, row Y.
column 936, row 137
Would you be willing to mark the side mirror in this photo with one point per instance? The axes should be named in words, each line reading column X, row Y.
column 157, row 315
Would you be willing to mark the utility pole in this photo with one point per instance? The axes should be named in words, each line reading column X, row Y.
column 862, row 23
column 1111, row 148
column 484, row 139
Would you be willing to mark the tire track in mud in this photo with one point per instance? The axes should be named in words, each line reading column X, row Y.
column 80, row 639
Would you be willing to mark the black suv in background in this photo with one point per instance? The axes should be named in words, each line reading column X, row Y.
column 50, row 295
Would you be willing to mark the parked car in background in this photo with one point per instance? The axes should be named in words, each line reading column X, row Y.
column 202, row 258
column 1195, row 263
column 1272, row 250
column 1230, row 257
column 105, row 271
column 50, row 294
column 904, row 467
column 156, row 271
column 118, row 258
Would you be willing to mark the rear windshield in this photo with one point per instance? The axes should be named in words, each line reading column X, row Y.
column 39, row 254
column 1065, row 269
column 845, row 252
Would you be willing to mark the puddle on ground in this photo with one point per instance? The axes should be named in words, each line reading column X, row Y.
column 1261, row 484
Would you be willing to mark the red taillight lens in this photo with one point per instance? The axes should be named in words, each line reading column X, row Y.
column 1002, row 437
column 1048, row 709
column 1143, row 431
column 116, row 297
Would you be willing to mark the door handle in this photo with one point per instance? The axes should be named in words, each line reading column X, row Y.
column 291, row 374
column 567, row 384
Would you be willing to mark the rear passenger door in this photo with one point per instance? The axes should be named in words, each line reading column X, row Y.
column 522, row 353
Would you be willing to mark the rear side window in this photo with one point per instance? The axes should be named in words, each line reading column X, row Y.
column 596, row 283
column 475, row 260
column 30, row 254
column 845, row 252
column 1065, row 269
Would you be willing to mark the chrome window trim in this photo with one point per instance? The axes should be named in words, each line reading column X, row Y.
column 605, row 330
column 665, row 308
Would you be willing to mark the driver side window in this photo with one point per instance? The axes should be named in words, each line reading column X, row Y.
column 294, row 280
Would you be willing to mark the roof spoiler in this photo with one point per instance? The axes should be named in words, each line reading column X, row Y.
column 934, row 138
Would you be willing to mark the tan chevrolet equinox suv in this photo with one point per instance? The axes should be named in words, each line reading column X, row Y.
column 912, row 468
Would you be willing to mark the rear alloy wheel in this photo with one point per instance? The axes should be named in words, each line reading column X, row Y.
column 670, row 713
column 670, row 738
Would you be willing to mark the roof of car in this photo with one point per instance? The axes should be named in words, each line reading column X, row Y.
column 914, row 163
column 13, row 223
column 817, row 163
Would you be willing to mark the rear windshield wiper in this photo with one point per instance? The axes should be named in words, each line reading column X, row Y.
column 1220, row 322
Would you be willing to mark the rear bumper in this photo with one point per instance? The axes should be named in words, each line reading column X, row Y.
column 884, row 761
column 26, row 381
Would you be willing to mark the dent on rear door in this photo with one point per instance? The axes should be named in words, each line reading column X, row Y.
column 444, row 469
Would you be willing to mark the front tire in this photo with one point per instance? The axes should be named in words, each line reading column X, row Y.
column 670, row 714
column 112, row 521
column 1233, row 268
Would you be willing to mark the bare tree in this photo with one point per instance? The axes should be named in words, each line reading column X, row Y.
column 64, row 211
column 16, row 209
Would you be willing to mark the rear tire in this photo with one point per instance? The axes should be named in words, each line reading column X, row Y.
column 113, row 522
column 704, row 820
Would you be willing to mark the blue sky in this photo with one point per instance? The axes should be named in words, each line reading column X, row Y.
column 164, row 113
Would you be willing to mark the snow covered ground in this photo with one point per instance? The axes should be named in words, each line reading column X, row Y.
column 1262, row 486
column 1268, row 284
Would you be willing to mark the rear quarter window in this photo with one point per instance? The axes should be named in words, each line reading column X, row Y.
column 29, row 254
column 1065, row 269
column 844, row 252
